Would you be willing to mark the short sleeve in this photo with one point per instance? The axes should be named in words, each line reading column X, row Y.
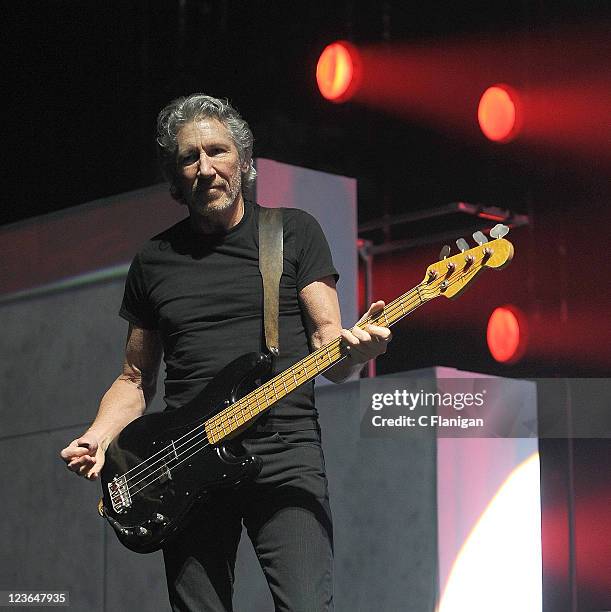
column 314, row 259
column 136, row 307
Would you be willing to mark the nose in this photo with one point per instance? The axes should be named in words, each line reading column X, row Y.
column 206, row 169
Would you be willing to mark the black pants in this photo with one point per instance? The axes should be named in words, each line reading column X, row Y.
column 287, row 516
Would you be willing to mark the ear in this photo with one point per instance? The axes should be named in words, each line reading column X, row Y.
column 246, row 166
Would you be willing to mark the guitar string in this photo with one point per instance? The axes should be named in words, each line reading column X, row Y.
column 248, row 405
column 427, row 289
column 259, row 393
column 228, row 416
column 395, row 305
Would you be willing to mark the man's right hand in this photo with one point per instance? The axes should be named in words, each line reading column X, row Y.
column 84, row 456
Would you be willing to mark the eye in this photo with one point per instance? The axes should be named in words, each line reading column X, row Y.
column 188, row 159
column 216, row 151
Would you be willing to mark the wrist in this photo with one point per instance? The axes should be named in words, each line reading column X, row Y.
column 102, row 439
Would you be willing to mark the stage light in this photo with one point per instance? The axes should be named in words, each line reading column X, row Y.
column 506, row 334
column 498, row 113
column 499, row 566
column 338, row 71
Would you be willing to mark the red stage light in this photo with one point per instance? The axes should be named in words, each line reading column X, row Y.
column 506, row 334
column 498, row 113
column 338, row 71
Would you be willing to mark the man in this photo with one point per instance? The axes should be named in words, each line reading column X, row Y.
column 193, row 294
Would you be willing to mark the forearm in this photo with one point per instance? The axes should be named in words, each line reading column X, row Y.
column 125, row 401
column 321, row 307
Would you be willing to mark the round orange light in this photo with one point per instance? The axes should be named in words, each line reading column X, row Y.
column 338, row 71
column 506, row 334
column 498, row 113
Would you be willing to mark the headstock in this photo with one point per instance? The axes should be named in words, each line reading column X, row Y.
column 451, row 275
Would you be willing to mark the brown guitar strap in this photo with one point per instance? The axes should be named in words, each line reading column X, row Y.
column 271, row 245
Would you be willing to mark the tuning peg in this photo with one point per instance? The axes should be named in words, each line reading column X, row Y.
column 480, row 238
column 499, row 230
column 462, row 245
column 445, row 252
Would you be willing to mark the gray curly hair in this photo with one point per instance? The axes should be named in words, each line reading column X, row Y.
column 191, row 108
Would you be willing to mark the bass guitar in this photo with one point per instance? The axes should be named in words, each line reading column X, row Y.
column 161, row 464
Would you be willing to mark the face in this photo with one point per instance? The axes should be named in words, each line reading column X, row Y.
column 209, row 169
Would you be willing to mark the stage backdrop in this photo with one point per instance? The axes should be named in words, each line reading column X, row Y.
column 62, row 345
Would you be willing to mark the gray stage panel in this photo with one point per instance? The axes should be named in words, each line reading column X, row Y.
column 383, row 499
column 52, row 538
column 64, row 350
column 68, row 346
column 133, row 581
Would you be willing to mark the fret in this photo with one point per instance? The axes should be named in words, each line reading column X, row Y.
column 246, row 409
column 256, row 396
column 270, row 395
column 418, row 292
column 260, row 394
column 263, row 399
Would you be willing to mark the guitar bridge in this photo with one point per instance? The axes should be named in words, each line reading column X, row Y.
column 119, row 494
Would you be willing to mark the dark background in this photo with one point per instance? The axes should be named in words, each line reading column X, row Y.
column 87, row 79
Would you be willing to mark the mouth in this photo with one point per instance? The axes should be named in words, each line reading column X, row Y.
column 208, row 189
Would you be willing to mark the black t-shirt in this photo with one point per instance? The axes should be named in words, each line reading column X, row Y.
column 204, row 293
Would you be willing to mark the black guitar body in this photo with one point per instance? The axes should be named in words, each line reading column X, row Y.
column 161, row 463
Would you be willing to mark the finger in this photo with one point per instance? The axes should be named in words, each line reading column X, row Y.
column 358, row 351
column 379, row 334
column 348, row 338
column 373, row 309
column 362, row 335
column 94, row 474
column 97, row 468
column 376, row 306
column 87, row 468
column 70, row 453
column 353, row 339
column 350, row 346
column 76, row 464
column 66, row 453
column 87, row 443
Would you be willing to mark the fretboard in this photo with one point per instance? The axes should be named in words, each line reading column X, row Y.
column 245, row 410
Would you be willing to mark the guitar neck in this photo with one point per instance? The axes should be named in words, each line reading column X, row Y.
column 245, row 410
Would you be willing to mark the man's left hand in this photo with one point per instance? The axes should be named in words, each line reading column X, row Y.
column 369, row 342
